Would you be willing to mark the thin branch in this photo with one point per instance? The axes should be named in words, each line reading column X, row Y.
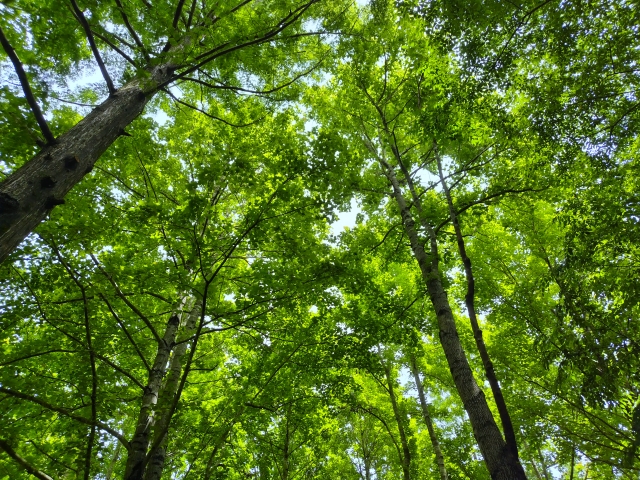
column 177, row 100
column 23, row 463
column 126, row 332
column 257, row 92
column 487, row 198
column 132, row 32
column 119, row 369
column 220, row 50
column 66, row 413
column 108, row 42
column 126, row 300
column 92, row 360
column 393, row 227
column 122, row 182
column 57, row 350
column 73, row 103
column 26, row 88
column 87, row 30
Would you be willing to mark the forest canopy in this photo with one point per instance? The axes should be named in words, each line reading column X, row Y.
column 283, row 239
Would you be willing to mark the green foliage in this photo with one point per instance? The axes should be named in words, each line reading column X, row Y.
column 533, row 111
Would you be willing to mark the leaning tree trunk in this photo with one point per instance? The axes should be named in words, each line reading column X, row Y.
column 28, row 195
column 501, row 463
column 427, row 419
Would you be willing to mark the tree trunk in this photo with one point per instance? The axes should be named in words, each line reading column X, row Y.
column 501, row 463
column 28, row 194
column 406, row 453
column 166, row 398
column 469, row 300
column 134, row 469
column 427, row 419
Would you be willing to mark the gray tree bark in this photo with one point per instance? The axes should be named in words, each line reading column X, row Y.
column 29, row 194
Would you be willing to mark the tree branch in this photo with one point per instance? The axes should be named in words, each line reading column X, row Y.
column 176, row 16
column 132, row 32
column 220, row 51
column 126, row 301
column 26, row 88
column 177, row 100
column 126, row 332
column 66, row 413
column 23, row 463
column 122, row 54
column 92, row 43
column 257, row 92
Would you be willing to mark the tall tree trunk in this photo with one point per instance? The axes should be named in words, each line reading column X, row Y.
column 469, row 300
column 406, row 453
column 543, row 464
column 501, row 463
column 167, row 395
column 114, row 461
column 285, row 450
column 28, row 194
column 134, row 469
column 427, row 419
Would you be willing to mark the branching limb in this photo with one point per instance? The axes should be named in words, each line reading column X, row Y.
column 126, row 332
column 126, row 300
column 92, row 43
column 486, row 198
column 220, row 50
column 26, row 88
column 92, row 356
column 257, row 92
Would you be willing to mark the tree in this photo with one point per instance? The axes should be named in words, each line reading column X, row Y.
column 192, row 313
column 205, row 45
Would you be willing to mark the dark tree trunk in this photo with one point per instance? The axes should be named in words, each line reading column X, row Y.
column 28, row 194
column 507, row 424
